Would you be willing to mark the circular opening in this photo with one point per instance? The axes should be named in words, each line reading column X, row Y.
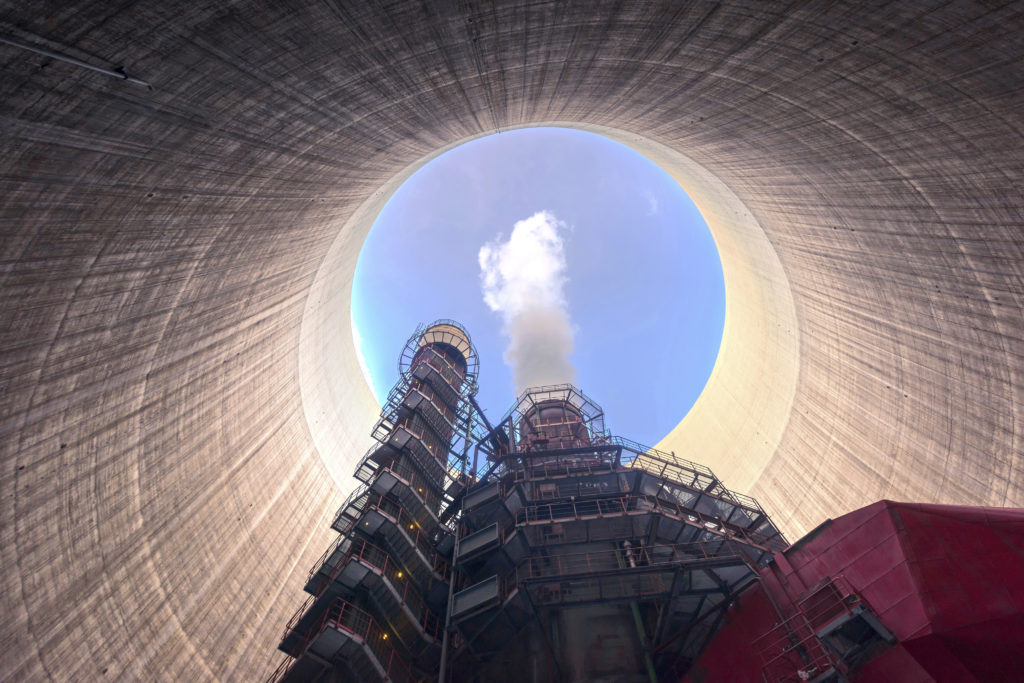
column 558, row 218
column 740, row 417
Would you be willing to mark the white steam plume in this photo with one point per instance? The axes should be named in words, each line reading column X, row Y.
column 523, row 279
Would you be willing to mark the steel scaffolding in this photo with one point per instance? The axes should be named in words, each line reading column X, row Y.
column 573, row 536
column 576, row 552
column 379, row 593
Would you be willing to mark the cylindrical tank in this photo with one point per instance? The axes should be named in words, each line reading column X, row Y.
column 449, row 342
column 554, row 424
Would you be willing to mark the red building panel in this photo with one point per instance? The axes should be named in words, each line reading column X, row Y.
column 945, row 583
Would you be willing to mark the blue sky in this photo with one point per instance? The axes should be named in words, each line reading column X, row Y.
column 642, row 287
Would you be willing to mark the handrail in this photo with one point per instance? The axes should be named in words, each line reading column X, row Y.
column 429, row 461
column 442, row 418
column 396, row 575
column 454, row 377
column 433, row 416
column 616, row 559
column 601, row 463
column 601, row 507
column 322, row 560
column 573, row 465
column 293, row 622
column 445, row 412
column 409, row 527
column 352, row 500
column 280, row 671
column 771, row 541
column 829, row 599
column 428, row 497
column 671, row 460
column 419, row 488
column 603, row 573
column 790, row 647
column 643, row 450
column 344, row 616
column 418, row 427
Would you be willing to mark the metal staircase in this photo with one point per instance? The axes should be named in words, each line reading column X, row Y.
column 380, row 591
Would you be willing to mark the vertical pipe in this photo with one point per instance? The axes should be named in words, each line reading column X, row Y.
column 455, row 551
column 634, row 607
column 448, row 609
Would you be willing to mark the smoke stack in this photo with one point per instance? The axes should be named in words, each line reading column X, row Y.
column 555, row 424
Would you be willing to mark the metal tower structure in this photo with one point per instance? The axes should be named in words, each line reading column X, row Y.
column 177, row 262
column 378, row 594
column 578, row 554
column 586, row 556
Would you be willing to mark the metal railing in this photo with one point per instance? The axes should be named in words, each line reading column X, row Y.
column 602, row 588
column 598, row 463
column 421, row 489
column 321, row 563
column 418, row 427
column 399, row 393
column 610, row 575
column 641, row 558
column 591, row 414
column 300, row 646
column 682, row 471
column 454, row 377
column 693, row 477
column 408, row 526
column 640, row 504
column 640, row 449
column 429, row 444
column 792, row 653
column 828, row 601
column 398, row 578
column 280, row 671
column 460, row 341
column 345, row 617
column 434, row 465
column 617, row 574
column 440, row 416
column 351, row 509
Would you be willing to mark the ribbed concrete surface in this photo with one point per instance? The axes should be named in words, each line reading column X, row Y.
column 163, row 493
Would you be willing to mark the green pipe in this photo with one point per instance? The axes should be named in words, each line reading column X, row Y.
column 651, row 673
column 641, row 632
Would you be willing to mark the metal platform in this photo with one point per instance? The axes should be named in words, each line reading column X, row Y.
column 571, row 540
column 572, row 525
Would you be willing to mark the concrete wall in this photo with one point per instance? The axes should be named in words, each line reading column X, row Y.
column 178, row 394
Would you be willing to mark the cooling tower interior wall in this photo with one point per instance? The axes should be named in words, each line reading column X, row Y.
column 180, row 398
